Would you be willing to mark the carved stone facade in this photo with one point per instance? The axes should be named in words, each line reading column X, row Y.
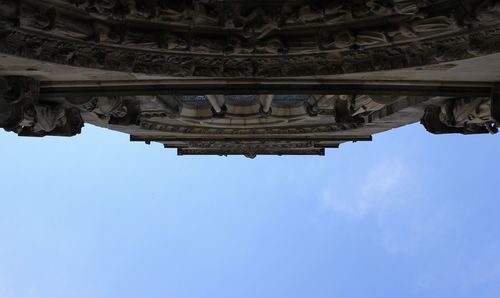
column 226, row 39
column 254, row 43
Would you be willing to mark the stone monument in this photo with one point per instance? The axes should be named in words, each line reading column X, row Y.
column 249, row 77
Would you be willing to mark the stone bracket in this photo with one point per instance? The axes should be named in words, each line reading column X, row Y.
column 22, row 111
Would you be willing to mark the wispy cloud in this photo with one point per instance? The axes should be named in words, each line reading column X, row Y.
column 387, row 194
column 383, row 179
column 368, row 194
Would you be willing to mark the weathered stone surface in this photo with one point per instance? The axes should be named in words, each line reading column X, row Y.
column 229, row 56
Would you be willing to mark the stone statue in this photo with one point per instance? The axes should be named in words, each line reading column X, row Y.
column 336, row 11
column 48, row 118
column 259, row 24
column 408, row 7
column 21, row 111
column 105, row 7
column 363, row 105
column 370, row 38
column 111, row 106
column 105, row 33
column 488, row 11
column 141, row 38
column 205, row 14
column 208, row 45
column 337, row 40
column 379, row 8
column 239, row 45
column 70, row 27
column 403, row 32
column 270, row 46
column 304, row 14
column 462, row 115
column 173, row 42
column 465, row 111
column 175, row 12
column 36, row 18
column 432, row 25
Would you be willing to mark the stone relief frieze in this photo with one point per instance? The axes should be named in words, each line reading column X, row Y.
column 49, row 49
column 253, row 38
column 47, row 33
column 250, row 150
column 155, row 125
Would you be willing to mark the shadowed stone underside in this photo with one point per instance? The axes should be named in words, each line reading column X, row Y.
column 249, row 77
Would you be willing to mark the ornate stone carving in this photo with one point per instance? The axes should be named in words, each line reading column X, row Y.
column 433, row 25
column 488, row 11
column 28, row 45
column 173, row 11
column 370, row 38
column 336, row 11
column 363, row 105
column 252, row 43
column 463, row 115
column 408, row 7
column 337, row 40
column 23, row 113
column 257, row 35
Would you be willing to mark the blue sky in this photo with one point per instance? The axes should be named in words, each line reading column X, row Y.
column 407, row 215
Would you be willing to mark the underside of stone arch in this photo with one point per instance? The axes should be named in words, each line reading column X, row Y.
column 249, row 77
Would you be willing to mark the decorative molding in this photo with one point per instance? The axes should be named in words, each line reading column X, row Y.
column 49, row 33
